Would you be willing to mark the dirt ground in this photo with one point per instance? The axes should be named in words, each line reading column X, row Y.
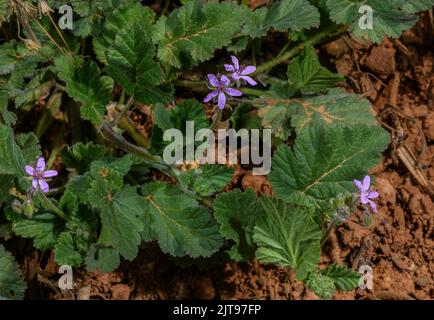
column 397, row 77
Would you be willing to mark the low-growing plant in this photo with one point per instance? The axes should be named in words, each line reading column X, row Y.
column 103, row 203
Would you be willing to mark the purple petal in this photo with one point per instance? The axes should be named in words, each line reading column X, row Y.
column 222, row 100
column 210, row 96
column 358, row 184
column 35, row 184
column 40, row 165
column 249, row 80
column 373, row 195
column 364, row 199
column 229, row 68
column 233, row 92
column 49, row 173
column 366, row 183
column 225, row 80
column 373, row 206
column 248, row 70
column 44, row 186
column 30, row 171
column 213, row 80
column 235, row 62
column 235, row 76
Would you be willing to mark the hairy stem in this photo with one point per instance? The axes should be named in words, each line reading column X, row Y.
column 319, row 37
column 124, row 111
column 56, row 148
column 51, row 206
column 46, row 119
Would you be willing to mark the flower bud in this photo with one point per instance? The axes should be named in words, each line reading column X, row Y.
column 43, row 8
column 17, row 206
column 28, row 208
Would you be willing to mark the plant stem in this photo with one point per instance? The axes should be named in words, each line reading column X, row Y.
column 134, row 133
column 46, row 119
column 198, row 86
column 319, row 37
column 56, row 148
column 74, row 120
column 116, row 139
column 330, row 228
column 124, row 111
column 216, row 120
column 50, row 205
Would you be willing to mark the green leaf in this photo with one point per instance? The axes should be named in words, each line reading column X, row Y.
column 208, row 179
column 8, row 57
column 178, row 223
column 344, row 279
column 120, row 207
column 103, row 259
column 390, row 18
column 176, row 118
column 336, row 108
column 29, row 145
column 323, row 286
column 85, row 85
column 307, row 75
column 79, row 186
column 65, row 251
column 294, row 15
column 131, row 63
column 193, row 32
column 12, row 285
column 414, row 6
column 287, row 236
column 324, row 162
column 11, row 157
column 237, row 212
column 116, row 21
column 43, row 228
column 80, row 156
column 91, row 13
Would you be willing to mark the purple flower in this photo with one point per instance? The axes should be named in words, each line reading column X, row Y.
column 222, row 88
column 39, row 174
column 365, row 194
column 240, row 71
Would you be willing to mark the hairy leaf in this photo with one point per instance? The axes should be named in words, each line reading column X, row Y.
column 80, row 156
column 208, row 179
column 43, row 228
column 294, row 15
column 344, row 279
column 12, row 285
column 117, row 20
column 390, row 18
column 287, row 236
column 85, row 84
column 65, row 251
column 324, row 162
column 323, row 286
column 237, row 212
column 337, row 107
column 193, row 32
column 178, row 223
column 131, row 63
column 307, row 75
column 11, row 157
column 121, row 208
